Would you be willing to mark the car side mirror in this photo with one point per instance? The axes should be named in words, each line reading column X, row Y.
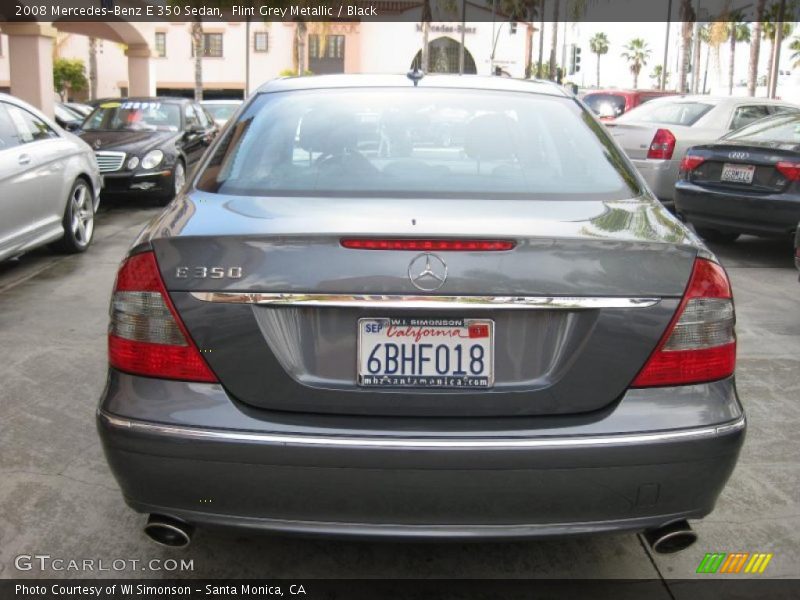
column 73, row 126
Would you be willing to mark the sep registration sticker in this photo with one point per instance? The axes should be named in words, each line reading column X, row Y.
column 426, row 353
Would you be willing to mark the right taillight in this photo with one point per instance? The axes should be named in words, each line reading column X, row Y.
column 789, row 170
column 146, row 335
column 662, row 146
column 699, row 344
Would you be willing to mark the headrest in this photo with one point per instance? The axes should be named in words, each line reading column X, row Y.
column 490, row 137
column 328, row 131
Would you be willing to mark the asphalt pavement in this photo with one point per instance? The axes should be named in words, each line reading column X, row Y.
column 58, row 497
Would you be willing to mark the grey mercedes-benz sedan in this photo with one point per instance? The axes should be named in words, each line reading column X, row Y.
column 420, row 307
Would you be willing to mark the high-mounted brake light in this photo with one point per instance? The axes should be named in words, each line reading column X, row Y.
column 690, row 162
column 699, row 345
column 662, row 146
column 146, row 335
column 789, row 170
column 428, row 244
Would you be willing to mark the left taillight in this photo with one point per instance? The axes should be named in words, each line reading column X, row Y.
column 146, row 336
column 690, row 162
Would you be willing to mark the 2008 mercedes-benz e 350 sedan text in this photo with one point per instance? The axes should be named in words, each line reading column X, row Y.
column 420, row 307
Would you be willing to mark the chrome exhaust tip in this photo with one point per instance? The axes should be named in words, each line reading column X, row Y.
column 168, row 531
column 672, row 537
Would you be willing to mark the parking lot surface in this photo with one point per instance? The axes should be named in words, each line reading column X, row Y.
column 57, row 496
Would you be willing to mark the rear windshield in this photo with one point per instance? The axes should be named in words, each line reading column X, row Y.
column 784, row 129
column 437, row 143
column 667, row 112
column 605, row 105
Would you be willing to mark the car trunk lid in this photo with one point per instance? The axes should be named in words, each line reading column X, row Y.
column 560, row 353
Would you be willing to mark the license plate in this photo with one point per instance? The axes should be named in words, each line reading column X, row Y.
column 737, row 173
column 426, row 353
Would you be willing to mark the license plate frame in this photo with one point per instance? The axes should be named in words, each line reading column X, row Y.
column 483, row 331
column 735, row 173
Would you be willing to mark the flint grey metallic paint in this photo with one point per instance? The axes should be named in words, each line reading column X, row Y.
column 288, row 442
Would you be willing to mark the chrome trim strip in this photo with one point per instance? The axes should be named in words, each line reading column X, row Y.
column 418, row 443
column 425, row 302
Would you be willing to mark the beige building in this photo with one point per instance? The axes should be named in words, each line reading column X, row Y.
column 157, row 58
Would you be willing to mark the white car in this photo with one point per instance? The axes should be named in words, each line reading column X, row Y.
column 49, row 183
column 221, row 110
column 656, row 135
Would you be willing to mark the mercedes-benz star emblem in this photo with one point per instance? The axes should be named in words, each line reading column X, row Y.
column 427, row 272
column 97, row 144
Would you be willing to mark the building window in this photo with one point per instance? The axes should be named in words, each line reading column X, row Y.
column 161, row 44
column 260, row 41
column 212, row 45
column 334, row 46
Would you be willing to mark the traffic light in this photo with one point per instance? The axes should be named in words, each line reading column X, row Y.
column 574, row 59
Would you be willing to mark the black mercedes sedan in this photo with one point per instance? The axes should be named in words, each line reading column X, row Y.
column 747, row 182
column 145, row 146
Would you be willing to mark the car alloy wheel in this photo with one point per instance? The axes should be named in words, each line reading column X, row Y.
column 78, row 219
column 82, row 212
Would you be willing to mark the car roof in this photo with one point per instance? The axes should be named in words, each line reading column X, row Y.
column 720, row 100
column 230, row 101
column 628, row 91
column 471, row 82
column 27, row 106
column 164, row 99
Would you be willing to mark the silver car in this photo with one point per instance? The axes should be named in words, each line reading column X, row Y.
column 657, row 134
column 221, row 110
column 49, row 183
column 425, row 307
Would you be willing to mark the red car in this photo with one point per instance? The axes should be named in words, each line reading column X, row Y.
column 609, row 104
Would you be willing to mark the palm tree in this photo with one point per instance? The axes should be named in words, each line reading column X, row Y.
column 687, row 17
column 197, row 44
column 599, row 45
column 426, row 31
column 739, row 32
column 554, row 41
column 770, row 32
column 655, row 75
column 300, row 39
column 539, row 67
column 92, row 68
column 795, row 48
column 636, row 53
column 755, row 48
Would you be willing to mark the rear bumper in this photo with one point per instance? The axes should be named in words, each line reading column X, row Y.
column 773, row 215
column 353, row 477
column 660, row 176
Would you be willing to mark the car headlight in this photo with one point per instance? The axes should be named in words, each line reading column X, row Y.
column 133, row 162
column 152, row 159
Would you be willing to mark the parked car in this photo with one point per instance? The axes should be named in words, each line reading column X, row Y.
column 145, row 146
column 49, row 183
column 221, row 110
column 747, row 182
column 797, row 247
column 656, row 135
column 66, row 117
column 80, row 108
column 613, row 103
column 501, row 337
